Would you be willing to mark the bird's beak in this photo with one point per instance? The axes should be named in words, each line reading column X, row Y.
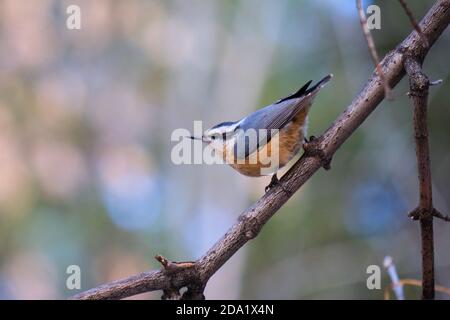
column 202, row 138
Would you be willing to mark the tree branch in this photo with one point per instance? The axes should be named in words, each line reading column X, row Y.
column 419, row 85
column 253, row 219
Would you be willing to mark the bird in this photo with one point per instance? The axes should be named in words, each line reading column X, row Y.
column 278, row 132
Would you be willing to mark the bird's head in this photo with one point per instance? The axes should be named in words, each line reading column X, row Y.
column 219, row 135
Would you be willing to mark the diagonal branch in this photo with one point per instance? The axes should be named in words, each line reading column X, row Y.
column 253, row 219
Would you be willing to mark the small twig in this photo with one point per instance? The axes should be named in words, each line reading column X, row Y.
column 396, row 285
column 439, row 215
column 413, row 282
column 173, row 266
column 436, row 82
column 432, row 83
column 373, row 50
column 414, row 23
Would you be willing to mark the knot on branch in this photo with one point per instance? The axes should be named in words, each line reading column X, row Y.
column 421, row 214
column 185, row 270
column 419, row 84
column 418, row 80
column 424, row 214
column 251, row 226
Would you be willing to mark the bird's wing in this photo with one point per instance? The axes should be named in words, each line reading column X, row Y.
column 274, row 116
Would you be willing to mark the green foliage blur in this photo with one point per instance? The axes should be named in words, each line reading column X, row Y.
column 86, row 118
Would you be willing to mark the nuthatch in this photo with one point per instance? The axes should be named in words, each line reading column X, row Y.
column 288, row 117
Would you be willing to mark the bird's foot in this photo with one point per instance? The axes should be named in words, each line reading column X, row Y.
column 312, row 149
column 275, row 182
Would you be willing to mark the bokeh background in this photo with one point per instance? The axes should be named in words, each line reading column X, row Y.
column 85, row 123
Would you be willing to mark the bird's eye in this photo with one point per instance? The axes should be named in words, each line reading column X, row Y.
column 213, row 137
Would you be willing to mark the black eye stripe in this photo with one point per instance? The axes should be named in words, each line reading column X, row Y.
column 223, row 135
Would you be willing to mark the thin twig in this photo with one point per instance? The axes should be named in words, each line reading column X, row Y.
column 436, row 82
column 253, row 219
column 173, row 266
column 388, row 263
column 412, row 282
column 414, row 22
column 439, row 215
column 373, row 50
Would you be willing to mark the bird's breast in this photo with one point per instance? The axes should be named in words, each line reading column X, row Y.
column 275, row 154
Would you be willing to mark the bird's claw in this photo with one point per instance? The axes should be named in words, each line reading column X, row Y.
column 312, row 149
column 273, row 183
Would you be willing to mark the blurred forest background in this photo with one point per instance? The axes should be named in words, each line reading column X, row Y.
column 85, row 123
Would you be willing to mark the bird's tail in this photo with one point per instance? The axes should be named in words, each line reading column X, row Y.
column 319, row 85
column 304, row 91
